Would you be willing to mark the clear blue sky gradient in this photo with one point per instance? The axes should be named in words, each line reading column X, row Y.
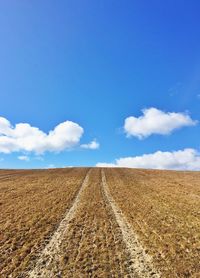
column 96, row 63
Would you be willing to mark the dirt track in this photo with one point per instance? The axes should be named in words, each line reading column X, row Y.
column 93, row 239
column 141, row 262
column 32, row 206
column 99, row 223
column 51, row 253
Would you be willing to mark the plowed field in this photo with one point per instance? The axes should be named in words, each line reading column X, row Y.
column 83, row 222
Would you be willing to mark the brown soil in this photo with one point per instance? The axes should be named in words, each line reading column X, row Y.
column 92, row 245
column 99, row 223
column 163, row 208
column 32, row 205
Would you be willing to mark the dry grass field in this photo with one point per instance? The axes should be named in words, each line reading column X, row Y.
column 81, row 222
column 32, row 204
column 163, row 208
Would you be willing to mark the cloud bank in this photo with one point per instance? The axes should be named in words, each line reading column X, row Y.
column 187, row 159
column 24, row 137
column 155, row 121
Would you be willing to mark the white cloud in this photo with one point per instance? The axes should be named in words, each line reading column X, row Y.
column 24, row 137
column 155, row 121
column 187, row 159
column 23, row 157
column 92, row 145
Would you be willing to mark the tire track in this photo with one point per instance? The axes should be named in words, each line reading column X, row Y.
column 141, row 263
column 52, row 250
column 116, row 233
column 100, row 250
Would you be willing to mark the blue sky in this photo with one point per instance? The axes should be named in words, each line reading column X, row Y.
column 96, row 63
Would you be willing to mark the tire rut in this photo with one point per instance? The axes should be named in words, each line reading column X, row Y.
column 52, row 249
column 141, row 263
column 99, row 251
